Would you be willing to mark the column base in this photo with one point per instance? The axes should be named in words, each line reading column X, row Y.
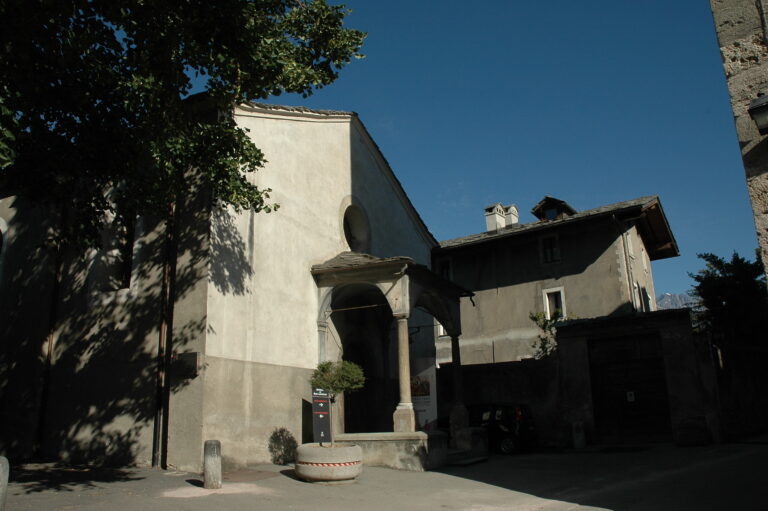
column 404, row 418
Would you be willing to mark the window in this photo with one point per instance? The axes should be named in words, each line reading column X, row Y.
column 549, row 248
column 554, row 303
column 356, row 229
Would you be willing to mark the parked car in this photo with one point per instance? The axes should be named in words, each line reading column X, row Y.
column 510, row 425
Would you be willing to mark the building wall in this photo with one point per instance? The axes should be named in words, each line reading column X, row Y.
column 26, row 279
column 262, row 301
column 597, row 271
column 639, row 274
column 95, row 402
column 688, row 378
column 741, row 32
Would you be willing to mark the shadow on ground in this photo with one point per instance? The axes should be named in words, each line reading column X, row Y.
column 653, row 477
column 35, row 478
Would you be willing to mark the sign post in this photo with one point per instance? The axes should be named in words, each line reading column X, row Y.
column 321, row 415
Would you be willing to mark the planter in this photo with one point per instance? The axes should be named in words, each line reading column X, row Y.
column 337, row 463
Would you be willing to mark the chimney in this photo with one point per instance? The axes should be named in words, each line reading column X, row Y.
column 494, row 217
column 511, row 214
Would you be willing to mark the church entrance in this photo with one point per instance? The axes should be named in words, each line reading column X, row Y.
column 363, row 324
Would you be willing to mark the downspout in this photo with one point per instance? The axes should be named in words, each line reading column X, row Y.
column 164, row 343
column 53, row 312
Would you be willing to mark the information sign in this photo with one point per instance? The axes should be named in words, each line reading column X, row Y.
column 321, row 415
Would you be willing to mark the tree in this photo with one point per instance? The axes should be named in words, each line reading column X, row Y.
column 93, row 109
column 546, row 341
column 337, row 377
column 732, row 299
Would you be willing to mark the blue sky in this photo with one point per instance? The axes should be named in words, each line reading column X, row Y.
column 592, row 102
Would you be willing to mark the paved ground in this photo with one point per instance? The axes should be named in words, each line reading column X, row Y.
column 627, row 478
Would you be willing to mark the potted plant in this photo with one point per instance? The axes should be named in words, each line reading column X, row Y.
column 324, row 461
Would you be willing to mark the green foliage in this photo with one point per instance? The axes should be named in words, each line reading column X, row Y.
column 546, row 343
column 732, row 299
column 7, row 138
column 93, row 97
column 337, row 377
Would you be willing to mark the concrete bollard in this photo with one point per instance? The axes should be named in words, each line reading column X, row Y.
column 212, row 464
column 5, row 469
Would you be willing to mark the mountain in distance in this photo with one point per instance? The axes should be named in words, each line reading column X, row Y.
column 674, row 301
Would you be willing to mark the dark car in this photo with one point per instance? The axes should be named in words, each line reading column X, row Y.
column 510, row 425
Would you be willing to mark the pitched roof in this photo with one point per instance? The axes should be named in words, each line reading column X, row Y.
column 355, row 263
column 353, row 260
column 657, row 235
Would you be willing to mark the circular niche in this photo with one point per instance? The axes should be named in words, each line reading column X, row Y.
column 357, row 232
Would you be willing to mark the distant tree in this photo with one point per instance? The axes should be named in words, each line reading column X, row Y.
column 92, row 97
column 732, row 300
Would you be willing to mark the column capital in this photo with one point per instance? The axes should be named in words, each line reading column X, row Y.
column 401, row 315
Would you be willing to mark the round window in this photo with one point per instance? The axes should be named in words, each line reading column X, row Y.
column 356, row 229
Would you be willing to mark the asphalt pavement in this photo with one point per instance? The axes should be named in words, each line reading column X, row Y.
column 653, row 477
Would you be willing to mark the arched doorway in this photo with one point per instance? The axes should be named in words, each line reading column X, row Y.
column 362, row 319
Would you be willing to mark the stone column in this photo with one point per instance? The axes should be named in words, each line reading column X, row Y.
column 458, row 390
column 404, row 416
column 322, row 328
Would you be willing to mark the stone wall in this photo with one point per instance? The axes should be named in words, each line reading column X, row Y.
column 741, row 33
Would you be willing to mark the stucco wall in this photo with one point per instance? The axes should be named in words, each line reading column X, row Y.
column 266, row 324
column 509, row 281
column 741, row 32
column 640, row 276
column 26, row 277
column 244, row 300
column 100, row 402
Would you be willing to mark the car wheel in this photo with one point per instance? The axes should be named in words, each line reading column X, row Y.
column 507, row 445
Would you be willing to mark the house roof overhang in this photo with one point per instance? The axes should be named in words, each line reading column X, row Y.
column 653, row 227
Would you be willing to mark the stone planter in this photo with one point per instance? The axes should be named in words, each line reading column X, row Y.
column 337, row 463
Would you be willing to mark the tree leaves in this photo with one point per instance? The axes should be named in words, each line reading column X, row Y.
column 732, row 298
column 337, row 377
column 93, row 97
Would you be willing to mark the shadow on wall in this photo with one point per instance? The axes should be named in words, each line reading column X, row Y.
column 102, row 390
column 516, row 260
column 755, row 159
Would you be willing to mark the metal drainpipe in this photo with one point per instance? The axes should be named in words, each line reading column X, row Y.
column 165, row 337
column 53, row 311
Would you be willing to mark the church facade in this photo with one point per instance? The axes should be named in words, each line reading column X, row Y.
column 214, row 334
